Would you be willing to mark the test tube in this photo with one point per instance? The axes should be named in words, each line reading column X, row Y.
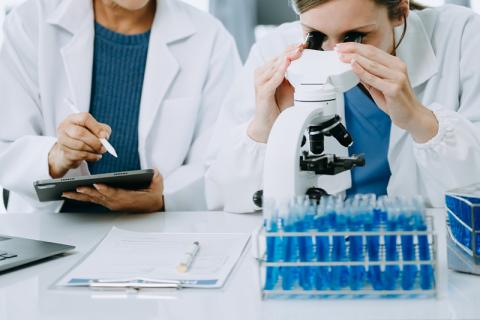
column 391, row 271
column 426, row 270
column 406, row 222
column 356, row 216
column 339, row 274
column 274, row 244
column 306, row 210
column 322, row 224
column 290, row 252
column 373, row 220
column 379, row 209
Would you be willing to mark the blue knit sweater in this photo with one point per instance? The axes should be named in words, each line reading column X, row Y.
column 117, row 82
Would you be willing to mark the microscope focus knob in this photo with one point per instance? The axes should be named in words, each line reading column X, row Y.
column 359, row 160
column 258, row 198
column 316, row 194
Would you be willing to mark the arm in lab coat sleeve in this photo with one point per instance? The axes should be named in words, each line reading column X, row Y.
column 184, row 188
column 451, row 159
column 23, row 147
column 235, row 162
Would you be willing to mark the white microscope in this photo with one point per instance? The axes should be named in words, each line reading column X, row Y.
column 295, row 151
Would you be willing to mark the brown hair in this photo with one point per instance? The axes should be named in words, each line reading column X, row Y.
column 393, row 7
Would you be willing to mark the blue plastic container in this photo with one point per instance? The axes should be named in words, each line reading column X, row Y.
column 463, row 208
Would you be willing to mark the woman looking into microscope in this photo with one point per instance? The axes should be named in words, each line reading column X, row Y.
column 415, row 114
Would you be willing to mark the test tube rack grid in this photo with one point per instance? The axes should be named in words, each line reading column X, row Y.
column 367, row 291
column 463, row 224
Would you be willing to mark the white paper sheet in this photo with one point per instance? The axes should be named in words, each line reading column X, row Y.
column 127, row 255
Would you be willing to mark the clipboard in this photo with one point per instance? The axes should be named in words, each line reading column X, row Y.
column 216, row 259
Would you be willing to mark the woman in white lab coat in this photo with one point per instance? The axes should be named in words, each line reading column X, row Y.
column 49, row 57
column 419, row 67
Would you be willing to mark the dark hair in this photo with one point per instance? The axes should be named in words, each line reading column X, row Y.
column 393, row 6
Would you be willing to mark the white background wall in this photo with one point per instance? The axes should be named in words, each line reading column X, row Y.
column 2, row 16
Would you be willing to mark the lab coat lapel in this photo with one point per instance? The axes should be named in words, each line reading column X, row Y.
column 170, row 25
column 77, row 18
column 417, row 52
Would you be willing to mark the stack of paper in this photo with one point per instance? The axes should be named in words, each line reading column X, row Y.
column 126, row 257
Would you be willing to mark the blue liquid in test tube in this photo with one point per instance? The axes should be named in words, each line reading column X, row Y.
column 356, row 213
column 372, row 224
column 339, row 274
column 426, row 270
column 290, row 252
column 274, row 244
column 307, row 210
column 391, row 271
column 406, row 222
column 379, row 209
column 322, row 274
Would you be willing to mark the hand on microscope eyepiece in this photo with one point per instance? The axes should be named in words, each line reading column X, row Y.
column 273, row 93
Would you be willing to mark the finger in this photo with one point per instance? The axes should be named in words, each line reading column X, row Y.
column 80, row 133
column 293, row 52
column 93, row 195
column 107, row 191
column 92, row 192
column 77, row 196
column 157, row 180
column 370, row 79
column 279, row 75
column 377, row 96
column 75, row 155
column 296, row 53
column 373, row 67
column 265, row 73
column 74, row 144
column 86, row 120
column 291, row 48
column 284, row 95
column 371, row 52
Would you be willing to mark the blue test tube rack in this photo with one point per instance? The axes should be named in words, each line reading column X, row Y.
column 463, row 221
column 376, row 267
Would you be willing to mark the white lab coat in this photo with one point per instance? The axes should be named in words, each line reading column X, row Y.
column 441, row 48
column 47, row 57
column 2, row 17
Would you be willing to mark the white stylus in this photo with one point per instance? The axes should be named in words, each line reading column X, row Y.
column 103, row 141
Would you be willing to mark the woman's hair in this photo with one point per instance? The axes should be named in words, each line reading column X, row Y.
column 393, row 6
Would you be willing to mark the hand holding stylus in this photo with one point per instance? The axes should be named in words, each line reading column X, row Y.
column 78, row 140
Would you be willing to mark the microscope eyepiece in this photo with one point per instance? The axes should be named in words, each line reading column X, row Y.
column 316, row 39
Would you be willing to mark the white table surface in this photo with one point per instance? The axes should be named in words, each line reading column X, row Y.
column 28, row 293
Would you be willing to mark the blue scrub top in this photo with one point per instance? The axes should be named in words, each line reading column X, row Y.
column 370, row 129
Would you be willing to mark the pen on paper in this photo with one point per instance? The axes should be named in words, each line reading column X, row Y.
column 188, row 258
column 103, row 141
